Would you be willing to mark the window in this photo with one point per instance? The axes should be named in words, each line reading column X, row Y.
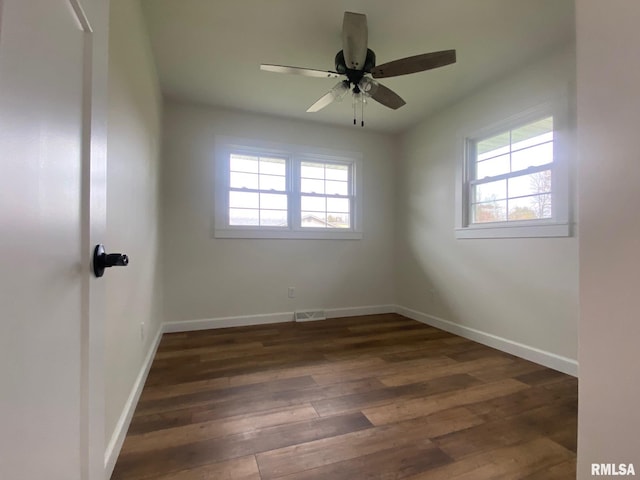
column 257, row 191
column 510, row 174
column 325, row 199
column 282, row 191
column 515, row 181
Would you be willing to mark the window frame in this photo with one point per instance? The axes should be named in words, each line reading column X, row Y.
column 294, row 156
column 556, row 226
column 258, row 191
column 298, row 194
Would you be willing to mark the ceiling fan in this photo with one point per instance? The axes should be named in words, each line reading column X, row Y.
column 357, row 63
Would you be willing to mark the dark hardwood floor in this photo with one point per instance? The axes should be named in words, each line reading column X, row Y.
column 373, row 397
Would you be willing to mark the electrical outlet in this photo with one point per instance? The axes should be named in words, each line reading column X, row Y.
column 142, row 331
column 291, row 292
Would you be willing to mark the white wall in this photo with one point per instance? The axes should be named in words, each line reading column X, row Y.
column 609, row 175
column 208, row 277
column 133, row 174
column 523, row 290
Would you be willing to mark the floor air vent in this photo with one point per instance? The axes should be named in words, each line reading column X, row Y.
column 310, row 315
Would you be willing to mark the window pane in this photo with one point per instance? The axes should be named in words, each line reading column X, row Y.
column 337, row 188
column 239, row 216
column 338, row 220
column 519, row 209
column 337, row 172
column 313, row 204
column 243, row 200
column 490, row 191
column 270, row 201
column 489, row 212
column 313, row 220
column 243, row 163
column 243, row 180
column 539, row 182
column 273, row 166
column 529, row 208
column 493, row 167
column 542, row 205
column 528, row 134
column 273, row 218
column 522, row 195
column 533, row 141
column 312, row 170
column 532, row 157
column 494, row 146
column 272, row 182
column 338, row 205
column 311, row 186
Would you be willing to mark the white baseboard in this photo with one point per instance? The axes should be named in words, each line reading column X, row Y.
column 120, row 432
column 548, row 359
column 356, row 311
column 245, row 320
column 224, row 322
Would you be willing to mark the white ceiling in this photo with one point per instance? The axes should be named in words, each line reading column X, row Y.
column 209, row 51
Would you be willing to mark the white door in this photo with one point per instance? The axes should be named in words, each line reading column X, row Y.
column 50, row 212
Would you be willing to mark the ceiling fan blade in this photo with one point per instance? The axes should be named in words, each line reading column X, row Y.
column 324, row 101
column 380, row 93
column 307, row 72
column 336, row 93
column 418, row 63
column 388, row 97
column 354, row 40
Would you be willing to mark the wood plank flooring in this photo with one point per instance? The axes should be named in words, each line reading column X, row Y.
column 372, row 397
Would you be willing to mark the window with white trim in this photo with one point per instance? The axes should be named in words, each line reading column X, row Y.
column 257, row 191
column 325, row 195
column 286, row 192
column 515, row 181
column 511, row 174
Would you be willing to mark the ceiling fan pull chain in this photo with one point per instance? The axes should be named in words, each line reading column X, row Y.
column 362, row 111
column 355, row 100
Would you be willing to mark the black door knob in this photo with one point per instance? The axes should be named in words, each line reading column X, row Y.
column 102, row 260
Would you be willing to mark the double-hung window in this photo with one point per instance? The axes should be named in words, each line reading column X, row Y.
column 511, row 174
column 515, row 182
column 326, row 199
column 283, row 191
column 257, row 191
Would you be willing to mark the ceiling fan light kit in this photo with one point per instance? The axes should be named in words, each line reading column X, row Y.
column 357, row 63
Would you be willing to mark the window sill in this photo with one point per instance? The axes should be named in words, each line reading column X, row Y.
column 287, row 234
column 514, row 231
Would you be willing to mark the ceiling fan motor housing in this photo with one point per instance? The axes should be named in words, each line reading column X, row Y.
column 369, row 63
